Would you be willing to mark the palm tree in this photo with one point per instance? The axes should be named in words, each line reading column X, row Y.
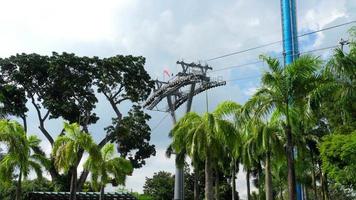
column 202, row 136
column 269, row 143
column 249, row 158
column 342, row 86
column 232, row 111
column 65, row 152
column 19, row 155
column 282, row 89
column 108, row 169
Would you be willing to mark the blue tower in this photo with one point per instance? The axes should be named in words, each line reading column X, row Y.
column 290, row 45
column 289, row 29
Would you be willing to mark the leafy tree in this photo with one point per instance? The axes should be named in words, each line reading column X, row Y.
column 108, row 169
column 132, row 133
column 341, row 86
column 67, row 86
column 269, row 143
column 160, row 186
column 203, row 136
column 249, row 158
column 338, row 156
column 13, row 101
column 65, row 152
column 284, row 89
column 19, row 155
column 229, row 109
column 28, row 186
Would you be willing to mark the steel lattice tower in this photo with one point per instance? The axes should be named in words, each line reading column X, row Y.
column 189, row 82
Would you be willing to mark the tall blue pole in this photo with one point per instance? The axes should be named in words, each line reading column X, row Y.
column 289, row 28
column 290, row 46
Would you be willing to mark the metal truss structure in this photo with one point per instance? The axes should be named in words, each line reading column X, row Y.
column 181, row 88
column 193, row 76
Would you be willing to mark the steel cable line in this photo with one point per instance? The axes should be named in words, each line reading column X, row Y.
column 248, row 77
column 260, row 61
column 160, row 122
column 276, row 42
column 258, row 76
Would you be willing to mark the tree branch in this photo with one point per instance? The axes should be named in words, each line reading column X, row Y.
column 24, row 120
column 118, row 92
column 46, row 115
column 121, row 100
column 41, row 127
column 113, row 105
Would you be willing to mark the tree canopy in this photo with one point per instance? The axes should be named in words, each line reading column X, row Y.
column 67, row 86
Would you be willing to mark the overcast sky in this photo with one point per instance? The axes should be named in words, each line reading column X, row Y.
column 165, row 31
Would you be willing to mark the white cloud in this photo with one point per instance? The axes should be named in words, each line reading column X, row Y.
column 250, row 91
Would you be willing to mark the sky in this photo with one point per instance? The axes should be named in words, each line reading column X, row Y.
column 165, row 31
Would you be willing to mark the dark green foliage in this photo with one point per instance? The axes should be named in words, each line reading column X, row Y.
column 338, row 153
column 66, row 86
column 144, row 197
column 13, row 100
column 70, row 94
column 133, row 135
column 160, row 186
column 123, row 73
column 8, row 192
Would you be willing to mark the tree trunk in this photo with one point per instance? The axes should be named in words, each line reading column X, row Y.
column 196, row 184
column 73, row 184
column 102, row 192
column 209, row 195
column 233, row 179
column 306, row 197
column 217, row 185
column 290, row 163
column 313, row 176
column 24, row 123
column 248, row 184
column 281, row 191
column 18, row 187
column 324, row 186
column 268, row 178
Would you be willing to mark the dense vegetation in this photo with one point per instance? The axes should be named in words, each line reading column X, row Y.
column 67, row 87
column 299, row 127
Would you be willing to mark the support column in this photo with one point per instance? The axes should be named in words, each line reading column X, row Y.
column 290, row 46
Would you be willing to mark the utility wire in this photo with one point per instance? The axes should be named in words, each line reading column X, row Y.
column 160, row 122
column 245, row 78
column 258, row 76
column 260, row 61
column 276, row 42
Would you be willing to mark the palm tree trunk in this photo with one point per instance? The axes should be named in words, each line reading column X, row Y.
column 217, row 185
column 102, row 193
column 73, row 184
column 313, row 176
column 281, row 193
column 209, row 195
column 306, row 196
column 18, row 187
column 233, row 178
column 290, row 163
column 268, row 178
column 196, row 184
column 248, row 184
column 324, row 186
